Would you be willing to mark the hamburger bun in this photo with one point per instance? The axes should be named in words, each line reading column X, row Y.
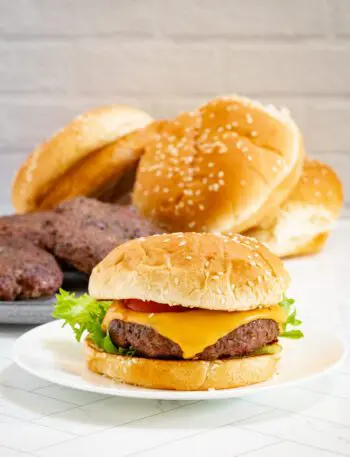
column 182, row 374
column 199, row 270
column 82, row 158
column 226, row 166
column 302, row 224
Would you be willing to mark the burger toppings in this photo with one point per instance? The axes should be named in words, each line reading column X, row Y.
column 196, row 329
column 157, row 330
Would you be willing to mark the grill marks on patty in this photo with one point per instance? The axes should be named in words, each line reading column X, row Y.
column 149, row 343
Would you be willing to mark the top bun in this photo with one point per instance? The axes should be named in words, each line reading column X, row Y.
column 302, row 223
column 200, row 270
column 53, row 171
column 224, row 167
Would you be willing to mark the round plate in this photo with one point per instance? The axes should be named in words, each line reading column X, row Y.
column 51, row 353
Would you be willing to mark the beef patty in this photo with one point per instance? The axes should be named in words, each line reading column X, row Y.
column 26, row 271
column 148, row 343
column 87, row 230
column 35, row 227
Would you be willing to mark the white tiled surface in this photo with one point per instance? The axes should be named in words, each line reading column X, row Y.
column 309, row 420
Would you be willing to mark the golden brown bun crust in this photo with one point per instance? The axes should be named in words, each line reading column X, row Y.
column 53, row 159
column 223, row 167
column 199, row 270
column 183, row 374
column 302, row 224
column 107, row 174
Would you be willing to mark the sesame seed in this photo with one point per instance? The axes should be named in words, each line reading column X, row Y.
column 215, row 277
column 221, row 174
column 243, row 182
column 206, row 264
column 249, row 118
column 198, row 192
column 182, row 243
column 211, row 165
column 234, row 124
column 253, row 134
column 221, row 182
column 216, row 187
column 190, row 202
column 250, row 158
column 165, row 190
column 166, row 240
column 274, row 169
column 250, row 283
column 188, row 257
column 201, row 207
column 191, row 224
column 316, row 181
column 318, row 193
column 176, row 281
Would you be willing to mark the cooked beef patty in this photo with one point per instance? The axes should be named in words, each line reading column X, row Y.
column 87, row 230
column 35, row 227
column 26, row 271
column 148, row 343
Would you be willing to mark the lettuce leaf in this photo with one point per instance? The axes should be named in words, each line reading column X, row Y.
column 85, row 314
column 288, row 328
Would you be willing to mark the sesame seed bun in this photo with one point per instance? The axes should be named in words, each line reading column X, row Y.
column 60, row 168
column 183, row 374
column 200, row 270
column 303, row 222
column 226, row 166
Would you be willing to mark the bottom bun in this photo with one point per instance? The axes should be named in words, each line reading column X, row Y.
column 302, row 224
column 181, row 374
column 312, row 246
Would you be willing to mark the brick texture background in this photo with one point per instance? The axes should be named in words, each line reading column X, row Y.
column 59, row 57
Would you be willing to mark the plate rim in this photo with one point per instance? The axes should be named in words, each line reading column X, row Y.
column 158, row 394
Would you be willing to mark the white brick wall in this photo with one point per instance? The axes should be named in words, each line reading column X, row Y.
column 59, row 57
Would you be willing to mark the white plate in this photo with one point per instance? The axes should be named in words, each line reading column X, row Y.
column 51, row 352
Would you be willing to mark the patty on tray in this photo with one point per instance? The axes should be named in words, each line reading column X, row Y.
column 87, row 230
column 35, row 227
column 26, row 271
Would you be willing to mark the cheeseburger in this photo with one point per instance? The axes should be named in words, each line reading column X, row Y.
column 185, row 311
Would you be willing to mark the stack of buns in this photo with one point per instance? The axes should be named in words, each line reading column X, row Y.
column 230, row 166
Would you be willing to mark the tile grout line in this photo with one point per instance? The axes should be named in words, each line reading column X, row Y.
column 17, row 450
column 300, row 414
column 33, row 422
column 245, row 427
column 196, row 434
column 109, row 428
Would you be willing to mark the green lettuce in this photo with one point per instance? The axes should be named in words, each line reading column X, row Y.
column 289, row 329
column 85, row 314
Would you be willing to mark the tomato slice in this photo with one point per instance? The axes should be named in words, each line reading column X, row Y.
column 152, row 307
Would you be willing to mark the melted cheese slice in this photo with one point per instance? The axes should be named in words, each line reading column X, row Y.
column 193, row 330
